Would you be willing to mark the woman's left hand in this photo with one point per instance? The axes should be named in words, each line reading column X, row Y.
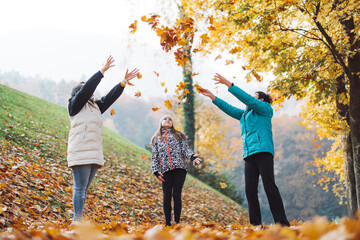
column 220, row 79
column 197, row 160
column 108, row 64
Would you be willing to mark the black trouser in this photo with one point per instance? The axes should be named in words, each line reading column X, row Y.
column 263, row 164
column 172, row 188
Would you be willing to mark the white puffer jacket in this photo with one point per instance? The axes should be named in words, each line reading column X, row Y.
column 85, row 137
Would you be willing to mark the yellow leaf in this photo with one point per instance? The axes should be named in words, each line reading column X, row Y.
column 198, row 88
column 143, row 156
column 162, row 84
column 167, row 104
column 223, row 185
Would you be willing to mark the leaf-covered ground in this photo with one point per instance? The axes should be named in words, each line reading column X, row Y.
column 124, row 201
column 36, row 184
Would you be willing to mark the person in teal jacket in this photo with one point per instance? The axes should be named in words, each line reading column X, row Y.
column 258, row 147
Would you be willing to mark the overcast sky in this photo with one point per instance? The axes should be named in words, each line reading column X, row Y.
column 70, row 40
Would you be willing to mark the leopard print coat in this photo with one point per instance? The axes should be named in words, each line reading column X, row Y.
column 168, row 153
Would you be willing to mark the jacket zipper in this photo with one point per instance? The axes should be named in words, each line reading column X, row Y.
column 247, row 148
column 258, row 140
column 167, row 143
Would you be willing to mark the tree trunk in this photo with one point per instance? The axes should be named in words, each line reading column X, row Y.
column 188, row 106
column 354, row 80
column 349, row 174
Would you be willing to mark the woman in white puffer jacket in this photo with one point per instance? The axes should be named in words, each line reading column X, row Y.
column 85, row 150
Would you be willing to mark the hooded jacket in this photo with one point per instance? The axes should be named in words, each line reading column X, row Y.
column 255, row 121
column 169, row 153
column 85, row 136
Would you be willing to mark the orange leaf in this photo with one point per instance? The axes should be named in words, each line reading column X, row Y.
column 129, row 83
column 139, row 75
column 223, row 185
column 218, row 57
column 198, row 88
column 229, row 62
column 162, row 84
column 112, row 112
column 155, row 109
column 194, row 74
column 133, row 26
column 157, row 74
column 166, row 90
column 143, row 156
column 168, row 104
column 138, row 94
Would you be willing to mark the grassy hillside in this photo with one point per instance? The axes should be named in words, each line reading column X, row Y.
column 36, row 184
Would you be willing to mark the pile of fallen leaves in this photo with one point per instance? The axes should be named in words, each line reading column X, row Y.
column 319, row 228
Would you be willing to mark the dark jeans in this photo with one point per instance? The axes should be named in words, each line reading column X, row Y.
column 172, row 188
column 263, row 164
column 83, row 176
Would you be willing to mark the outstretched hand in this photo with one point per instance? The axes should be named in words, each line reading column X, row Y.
column 207, row 93
column 108, row 64
column 197, row 160
column 220, row 79
column 131, row 75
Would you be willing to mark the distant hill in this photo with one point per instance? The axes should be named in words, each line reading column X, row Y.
column 36, row 184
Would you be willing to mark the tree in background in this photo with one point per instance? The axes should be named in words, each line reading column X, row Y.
column 313, row 49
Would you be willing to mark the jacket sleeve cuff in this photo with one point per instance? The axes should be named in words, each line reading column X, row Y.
column 193, row 157
column 156, row 174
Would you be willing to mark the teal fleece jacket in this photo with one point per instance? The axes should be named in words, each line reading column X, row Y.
column 255, row 121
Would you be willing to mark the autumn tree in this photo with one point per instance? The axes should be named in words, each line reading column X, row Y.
column 312, row 49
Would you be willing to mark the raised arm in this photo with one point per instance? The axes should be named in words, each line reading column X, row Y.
column 224, row 106
column 105, row 102
column 257, row 105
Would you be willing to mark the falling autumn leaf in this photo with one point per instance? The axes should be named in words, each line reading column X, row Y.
column 157, row 74
column 194, row 74
column 139, row 75
column 137, row 94
column 112, row 112
column 198, row 88
column 218, row 57
column 167, row 104
column 129, row 83
column 166, row 90
column 223, row 185
column 162, row 84
column 228, row 62
column 155, row 109
column 133, row 27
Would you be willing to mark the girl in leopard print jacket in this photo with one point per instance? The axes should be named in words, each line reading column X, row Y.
column 169, row 151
